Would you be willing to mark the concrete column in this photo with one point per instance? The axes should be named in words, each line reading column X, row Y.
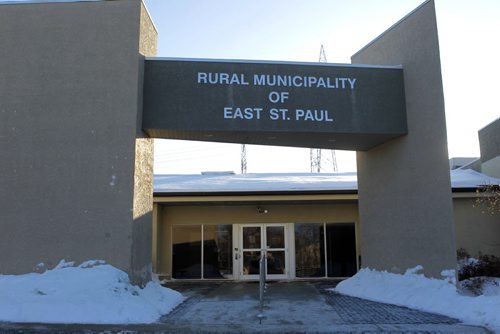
column 406, row 216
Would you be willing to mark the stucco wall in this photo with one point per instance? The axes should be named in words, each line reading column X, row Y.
column 405, row 204
column 477, row 230
column 143, row 169
column 491, row 167
column 69, row 98
column 489, row 141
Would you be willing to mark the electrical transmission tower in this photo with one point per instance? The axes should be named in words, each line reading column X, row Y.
column 315, row 153
column 322, row 55
column 315, row 156
column 243, row 159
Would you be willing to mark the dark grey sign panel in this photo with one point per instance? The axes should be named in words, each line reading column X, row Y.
column 290, row 104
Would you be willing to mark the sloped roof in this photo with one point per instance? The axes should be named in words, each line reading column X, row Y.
column 288, row 182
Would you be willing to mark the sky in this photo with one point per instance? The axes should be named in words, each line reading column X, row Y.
column 291, row 30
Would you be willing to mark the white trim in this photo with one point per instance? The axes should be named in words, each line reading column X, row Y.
column 236, row 251
column 263, row 245
column 291, row 251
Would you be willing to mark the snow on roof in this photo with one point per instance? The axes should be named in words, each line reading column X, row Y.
column 226, row 182
column 254, row 182
column 469, row 178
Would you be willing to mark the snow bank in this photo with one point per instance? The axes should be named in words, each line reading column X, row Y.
column 419, row 292
column 90, row 293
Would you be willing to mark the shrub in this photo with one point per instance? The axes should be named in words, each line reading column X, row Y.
column 476, row 272
column 484, row 265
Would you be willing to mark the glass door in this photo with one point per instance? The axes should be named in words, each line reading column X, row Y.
column 267, row 239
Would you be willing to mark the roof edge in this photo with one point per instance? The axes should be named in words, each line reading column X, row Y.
column 255, row 193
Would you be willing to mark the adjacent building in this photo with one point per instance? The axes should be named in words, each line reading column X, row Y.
column 214, row 225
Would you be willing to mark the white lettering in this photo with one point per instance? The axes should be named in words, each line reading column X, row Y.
column 274, row 80
column 314, row 115
column 352, row 81
column 299, row 83
column 202, row 77
column 278, row 114
column 242, row 113
column 224, row 78
column 278, row 97
column 312, row 81
column 259, row 80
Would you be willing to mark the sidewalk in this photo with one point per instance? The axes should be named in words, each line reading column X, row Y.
column 291, row 307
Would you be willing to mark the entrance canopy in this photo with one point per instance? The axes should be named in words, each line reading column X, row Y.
column 351, row 107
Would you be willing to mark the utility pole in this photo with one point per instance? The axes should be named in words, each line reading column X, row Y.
column 315, row 153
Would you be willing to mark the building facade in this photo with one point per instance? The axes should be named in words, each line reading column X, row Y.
column 77, row 181
column 215, row 226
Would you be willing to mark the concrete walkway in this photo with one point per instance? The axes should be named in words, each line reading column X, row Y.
column 298, row 307
column 290, row 307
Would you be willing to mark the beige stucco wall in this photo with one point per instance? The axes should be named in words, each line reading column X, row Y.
column 143, row 167
column 70, row 102
column 404, row 186
column 242, row 214
column 476, row 229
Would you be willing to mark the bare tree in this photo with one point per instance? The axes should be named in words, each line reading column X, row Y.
column 488, row 199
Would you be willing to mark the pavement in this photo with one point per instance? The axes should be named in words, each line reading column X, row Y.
column 290, row 307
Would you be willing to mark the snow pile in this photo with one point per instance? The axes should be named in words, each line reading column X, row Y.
column 480, row 285
column 419, row 292
column 90, row 293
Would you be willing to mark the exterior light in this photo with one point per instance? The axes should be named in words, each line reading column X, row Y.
column 262, row 210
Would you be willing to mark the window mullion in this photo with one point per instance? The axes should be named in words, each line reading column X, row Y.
column 202, row 251
column 326, row 250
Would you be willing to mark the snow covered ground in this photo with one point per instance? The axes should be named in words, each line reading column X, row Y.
column 433, row 295
column 92, row 292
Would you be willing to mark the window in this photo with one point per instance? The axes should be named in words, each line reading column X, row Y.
column 186, row 254
column 341, row 250
column 202, row 249
column 309, row 250
column 325, row 250
column 217, row 251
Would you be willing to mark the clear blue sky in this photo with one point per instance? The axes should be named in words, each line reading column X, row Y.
column 294, row 31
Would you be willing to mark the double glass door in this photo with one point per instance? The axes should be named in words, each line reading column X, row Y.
column 268, row 240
